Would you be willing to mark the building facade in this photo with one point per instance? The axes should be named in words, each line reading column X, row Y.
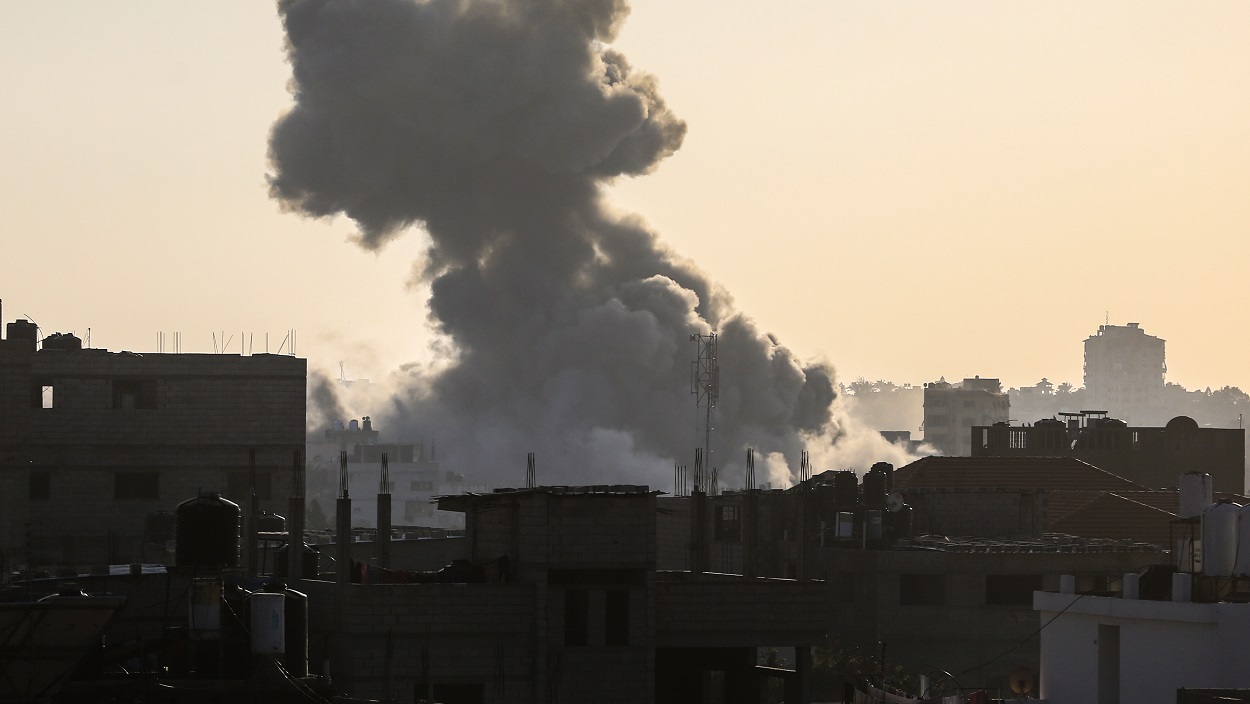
column 950, row 410
column 98, row 448
column 1124, row 372
column 1152, row 456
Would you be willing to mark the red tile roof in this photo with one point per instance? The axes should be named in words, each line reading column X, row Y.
column 1116, row 516
column 1049, row 473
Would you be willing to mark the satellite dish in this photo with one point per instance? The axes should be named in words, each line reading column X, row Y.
column 895, row 501
column 1022, row 680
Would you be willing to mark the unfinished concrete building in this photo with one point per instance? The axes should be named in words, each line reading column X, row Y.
column 97, row 447
column 560, row 600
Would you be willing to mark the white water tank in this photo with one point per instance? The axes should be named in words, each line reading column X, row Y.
column 1219, row 539
column 268, row 623
column 1242, row 567
column 1195, row 493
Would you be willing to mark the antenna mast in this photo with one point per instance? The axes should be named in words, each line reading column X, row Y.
column 705, row 387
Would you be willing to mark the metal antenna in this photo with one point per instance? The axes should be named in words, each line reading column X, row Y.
column 698, row 469
column 531, row 475
column 384, row 484
column 343, row 475
column 805, row 467
column 750, row 483
column 705, row 387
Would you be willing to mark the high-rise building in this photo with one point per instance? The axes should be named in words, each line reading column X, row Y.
column 950, row 411
column 1124, row 372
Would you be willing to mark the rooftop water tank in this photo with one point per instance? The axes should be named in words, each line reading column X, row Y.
column 845, row 488
column 875, row 489
column 1219, row 539
column 1242, row 566
column 1195, row 491
column 207, row 532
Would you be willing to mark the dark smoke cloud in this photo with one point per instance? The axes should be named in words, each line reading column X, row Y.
column 493, row 125
column 323, row 403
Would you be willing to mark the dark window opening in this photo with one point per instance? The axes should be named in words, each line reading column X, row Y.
column 576, row 617
column 134, row 393
column 616, row 617
column 728, row 524
column 239, row 485
column 921, row 590
column 136, row 485
column 40, row 485
column 1011, row 589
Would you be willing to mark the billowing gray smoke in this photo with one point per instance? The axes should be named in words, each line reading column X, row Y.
column 493, row 125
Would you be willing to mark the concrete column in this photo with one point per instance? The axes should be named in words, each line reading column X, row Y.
column 343, row 540
column 383, row 539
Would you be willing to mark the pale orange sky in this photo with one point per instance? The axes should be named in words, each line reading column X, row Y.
column 907, row 189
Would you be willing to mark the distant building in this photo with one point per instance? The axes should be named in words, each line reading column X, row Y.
column 1124, row 372
column 414, row 473
column 98, row 447
column 1152, row 456
column 950, row 410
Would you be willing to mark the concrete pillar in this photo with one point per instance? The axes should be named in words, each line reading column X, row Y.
column 1067, row 584
column 383, row 539
column 343, row 540
column 1182, row 587
column 295, row 523
column 698, row 531
column 1132, row 586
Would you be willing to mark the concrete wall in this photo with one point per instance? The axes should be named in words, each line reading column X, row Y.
column 1163, row 646
column 205, row 413
column 978, row 513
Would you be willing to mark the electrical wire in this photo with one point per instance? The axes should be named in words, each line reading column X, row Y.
column 1026, row 639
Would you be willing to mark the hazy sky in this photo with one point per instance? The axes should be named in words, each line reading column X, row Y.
column 907, row 189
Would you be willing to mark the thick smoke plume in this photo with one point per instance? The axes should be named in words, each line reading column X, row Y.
column 493, row 126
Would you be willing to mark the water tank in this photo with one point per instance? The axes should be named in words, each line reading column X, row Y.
column 23, row 333
column 1219, row 539
column 62, row 341
column 207, row 532
column 1242, row 567
column 308, row 567
column 296, row 659
column 353, row 424
column 270, row 523
column 845, row 488
column 204, row 611
column 872, row 526
column 268, row 620
column 875, row 489
column 1195, row 491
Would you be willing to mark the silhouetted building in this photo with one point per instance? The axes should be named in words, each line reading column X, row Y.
column 1124, row 372
column 1154, row 457
column 98, row 447
column 951, row 409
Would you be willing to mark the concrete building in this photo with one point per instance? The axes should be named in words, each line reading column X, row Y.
column 1100, row 649
column 567, row 605
column 1124, row 372
column 415, row 477
column 96, row 447
column 1152, row 456
column 950, row 410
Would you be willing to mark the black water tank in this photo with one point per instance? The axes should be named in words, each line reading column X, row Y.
column 270, row 523
column 308, row 568
column 62, row 341
column 845, row 488
column 208, row 532
column 874, row 488
column 23, row 333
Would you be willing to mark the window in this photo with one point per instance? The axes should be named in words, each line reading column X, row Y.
column 40, row 485
column 921, row 590
column 134, row 393
column 42, row 394
column 728, row 523
column 576, row 616
column 1011, row 589
column 616, row 617
column 136, row 485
